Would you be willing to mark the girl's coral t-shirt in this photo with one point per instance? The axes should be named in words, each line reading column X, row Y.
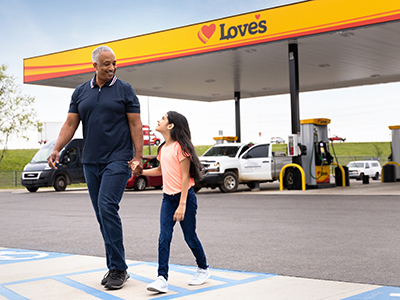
column 170, row 158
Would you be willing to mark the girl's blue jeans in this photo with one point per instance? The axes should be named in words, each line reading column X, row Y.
column 168, row 207
column 106, row 184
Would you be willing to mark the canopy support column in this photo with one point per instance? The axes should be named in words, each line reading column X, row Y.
column 237, row 116
column 294, row 92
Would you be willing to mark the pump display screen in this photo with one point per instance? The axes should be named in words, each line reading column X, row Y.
column 322, row 148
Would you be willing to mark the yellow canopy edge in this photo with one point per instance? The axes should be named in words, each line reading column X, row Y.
column 280, row 23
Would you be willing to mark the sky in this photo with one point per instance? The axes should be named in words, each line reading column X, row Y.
column 33, row 28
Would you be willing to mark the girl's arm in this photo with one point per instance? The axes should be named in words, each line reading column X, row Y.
column 153, row 172
column 180, row 211
column 149, row 172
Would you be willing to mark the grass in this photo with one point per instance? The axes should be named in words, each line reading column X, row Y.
column 15, row 160
column 373, row 149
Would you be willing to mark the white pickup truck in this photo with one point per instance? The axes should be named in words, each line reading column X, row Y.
column 228, row 165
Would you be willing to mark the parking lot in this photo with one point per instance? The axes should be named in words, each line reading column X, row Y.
column 343, row 234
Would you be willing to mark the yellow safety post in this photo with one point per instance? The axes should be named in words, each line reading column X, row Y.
column 343, row 175
column 388, row 163
column 303, row 177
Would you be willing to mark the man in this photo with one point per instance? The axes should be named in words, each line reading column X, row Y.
column 110, row 115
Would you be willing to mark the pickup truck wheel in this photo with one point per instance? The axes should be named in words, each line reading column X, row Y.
column 60, row 184
column 376, row 177
column 292, row 179
column 289, row 177
column 32, row 189
column 140, row 184
column 229, row 183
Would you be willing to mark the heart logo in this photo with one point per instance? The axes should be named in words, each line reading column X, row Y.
column 206, row 32
column 257, row 16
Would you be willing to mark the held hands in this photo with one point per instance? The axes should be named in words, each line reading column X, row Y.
column 53, row 159
column 180, row 213
column 136, row 166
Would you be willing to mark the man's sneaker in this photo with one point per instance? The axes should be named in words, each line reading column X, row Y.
column 158, row 286
column 116, row 279
column 105, row 278
column 200, row 277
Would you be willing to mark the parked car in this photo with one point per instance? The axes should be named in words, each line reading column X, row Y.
column 139, row 183
column 38, row 174
column 277, row 140
column 336, row 138
column 358, row 169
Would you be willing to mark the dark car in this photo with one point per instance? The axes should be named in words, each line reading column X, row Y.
column 38, row 174
column 139, row 183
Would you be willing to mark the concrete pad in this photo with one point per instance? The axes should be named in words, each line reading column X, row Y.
column 53, row 289
column 39, row 275
column 281, row 288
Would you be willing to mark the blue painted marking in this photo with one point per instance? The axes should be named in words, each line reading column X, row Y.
column 140, row 278
column 184, row 293
column 382, row 293
column 10, row 294
column 84, row 288
column 192, row 270
column 228, row 282
column 10, row 256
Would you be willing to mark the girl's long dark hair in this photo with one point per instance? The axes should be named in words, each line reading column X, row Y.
column 181, row 134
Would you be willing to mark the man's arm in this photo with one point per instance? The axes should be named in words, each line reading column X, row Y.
column 135, row 126
column 66, row 133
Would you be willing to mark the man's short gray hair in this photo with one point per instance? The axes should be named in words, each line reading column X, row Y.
column 96, row 52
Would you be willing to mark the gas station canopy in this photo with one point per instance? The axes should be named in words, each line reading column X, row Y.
column 340, row 44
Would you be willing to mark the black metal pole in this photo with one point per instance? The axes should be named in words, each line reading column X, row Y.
column 237, row 115
column 294, row 92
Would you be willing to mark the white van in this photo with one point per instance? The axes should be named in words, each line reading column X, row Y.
column 371, row 168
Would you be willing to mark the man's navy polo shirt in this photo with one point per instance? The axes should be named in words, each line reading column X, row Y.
column 106, row 134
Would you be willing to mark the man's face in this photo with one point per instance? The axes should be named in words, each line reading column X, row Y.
column 106, row 66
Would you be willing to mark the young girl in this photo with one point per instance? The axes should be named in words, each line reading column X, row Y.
column 179, row 166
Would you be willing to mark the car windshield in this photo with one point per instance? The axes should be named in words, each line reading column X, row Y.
column 42, row 155
column 222, row 151
column 355, row 165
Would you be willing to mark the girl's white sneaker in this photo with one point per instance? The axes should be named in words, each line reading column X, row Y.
column 160, row 285
column 200, row 277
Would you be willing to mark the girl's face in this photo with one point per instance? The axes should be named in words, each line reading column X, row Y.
column 162, row 124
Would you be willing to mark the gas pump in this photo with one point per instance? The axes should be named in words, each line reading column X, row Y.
column 395, row 145
column 314, row 135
